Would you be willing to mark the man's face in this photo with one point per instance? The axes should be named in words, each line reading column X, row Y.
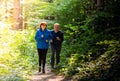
column 56, row 27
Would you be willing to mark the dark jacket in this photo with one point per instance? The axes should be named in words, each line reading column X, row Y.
column 54, row 39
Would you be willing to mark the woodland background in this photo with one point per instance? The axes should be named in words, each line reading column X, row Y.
column 91, row 48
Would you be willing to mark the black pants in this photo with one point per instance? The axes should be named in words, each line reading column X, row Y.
column 55, row 51
column 42, row 57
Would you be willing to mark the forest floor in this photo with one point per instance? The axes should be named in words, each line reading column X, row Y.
column 48, row 76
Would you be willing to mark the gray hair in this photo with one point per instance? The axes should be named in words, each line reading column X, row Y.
column 56, row 24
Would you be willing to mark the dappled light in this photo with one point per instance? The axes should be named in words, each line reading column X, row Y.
column 90, row 50
column 14, row 53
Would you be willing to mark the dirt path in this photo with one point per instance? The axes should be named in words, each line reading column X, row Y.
column 48, row 76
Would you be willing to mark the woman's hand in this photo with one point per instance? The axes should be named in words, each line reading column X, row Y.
column 42, row 36
column 47, row 41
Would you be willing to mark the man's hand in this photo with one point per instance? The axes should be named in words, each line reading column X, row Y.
column 58, row 38
column 51, row 40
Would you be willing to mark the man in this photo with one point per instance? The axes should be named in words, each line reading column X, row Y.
column 56, row 44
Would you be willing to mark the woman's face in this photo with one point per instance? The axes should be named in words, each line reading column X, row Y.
column 43, row 26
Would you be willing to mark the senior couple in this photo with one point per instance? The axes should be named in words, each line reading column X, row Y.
column 43, row 37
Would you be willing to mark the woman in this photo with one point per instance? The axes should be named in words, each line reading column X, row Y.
column 42, row 38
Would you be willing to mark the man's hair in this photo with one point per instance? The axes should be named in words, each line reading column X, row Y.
column 56, row 24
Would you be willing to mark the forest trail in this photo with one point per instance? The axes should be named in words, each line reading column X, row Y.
column 48, row 76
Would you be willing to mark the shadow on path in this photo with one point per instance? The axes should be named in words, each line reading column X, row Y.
column 48, row 76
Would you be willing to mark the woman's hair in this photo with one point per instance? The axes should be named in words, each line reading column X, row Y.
column 43, row 23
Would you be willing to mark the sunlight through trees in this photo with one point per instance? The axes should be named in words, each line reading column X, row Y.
column 90, row 51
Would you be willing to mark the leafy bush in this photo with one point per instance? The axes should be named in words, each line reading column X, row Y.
column 104, row 67
column 18, row 54
column 91, row 40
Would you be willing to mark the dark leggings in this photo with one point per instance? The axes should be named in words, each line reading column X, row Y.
column 42, row 57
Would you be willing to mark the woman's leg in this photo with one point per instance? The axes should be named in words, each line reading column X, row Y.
column 39, row 59
column 44, row 52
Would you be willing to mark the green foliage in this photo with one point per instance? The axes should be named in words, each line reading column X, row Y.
column 67, row 11
column 91, row 48
column 18, row 54
column 34, row 12
column 87, row 59
column 13, row 76
column 103, row 67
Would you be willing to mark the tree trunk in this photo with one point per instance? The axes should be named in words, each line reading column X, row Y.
column 100, row 4
column 17, row 15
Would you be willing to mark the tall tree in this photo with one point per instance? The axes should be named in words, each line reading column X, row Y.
column 97, row 4
column 100, row 4
column 17, row 15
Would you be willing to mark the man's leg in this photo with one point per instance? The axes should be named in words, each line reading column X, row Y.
column 52, row 56
column 58, row 50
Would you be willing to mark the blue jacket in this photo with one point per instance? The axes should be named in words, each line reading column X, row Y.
column 41, row 41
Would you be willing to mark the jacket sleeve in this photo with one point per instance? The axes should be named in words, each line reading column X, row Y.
column 62, row 37
column 50, row 35
column 37, row 36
